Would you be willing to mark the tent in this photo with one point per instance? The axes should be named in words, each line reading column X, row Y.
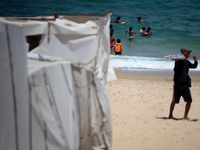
column 54, row 97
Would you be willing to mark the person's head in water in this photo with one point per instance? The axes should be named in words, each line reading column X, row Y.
column 118, row 18
column 148, row 29
column 143, row 28
column 130, row 29
column 139, row 18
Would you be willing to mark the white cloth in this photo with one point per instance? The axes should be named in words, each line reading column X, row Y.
column 87, row 44
column 55, row 123
column 14, row 95
column 70, row 105
column 55, row 105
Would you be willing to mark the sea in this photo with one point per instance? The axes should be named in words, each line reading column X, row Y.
column 174, row 24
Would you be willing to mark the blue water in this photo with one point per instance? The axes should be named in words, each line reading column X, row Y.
column 174, row 23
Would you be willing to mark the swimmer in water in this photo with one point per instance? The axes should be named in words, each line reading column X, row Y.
column 130, row 32
column 139, row 20
column 118, row 20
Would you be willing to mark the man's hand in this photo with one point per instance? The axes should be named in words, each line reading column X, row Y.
column 195, row 57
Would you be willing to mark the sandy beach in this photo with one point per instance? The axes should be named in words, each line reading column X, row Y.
column 140, row 108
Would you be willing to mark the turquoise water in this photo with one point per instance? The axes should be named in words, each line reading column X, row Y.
column 174, row 23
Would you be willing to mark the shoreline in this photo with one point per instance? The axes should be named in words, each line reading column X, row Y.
column 152, row 75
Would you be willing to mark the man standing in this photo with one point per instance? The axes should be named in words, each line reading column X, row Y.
column 182, row 82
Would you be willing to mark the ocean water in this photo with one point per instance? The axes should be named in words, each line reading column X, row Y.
column 174, row 24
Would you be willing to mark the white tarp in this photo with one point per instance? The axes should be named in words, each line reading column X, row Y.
column 14, row 96
column 29, row 27
column 86, row 43
column 58, row 105
column 55, row 123
column 70, row 104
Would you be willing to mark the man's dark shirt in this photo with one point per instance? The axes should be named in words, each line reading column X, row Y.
column 181, row 70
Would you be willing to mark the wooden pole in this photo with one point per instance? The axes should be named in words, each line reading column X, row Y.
column 56, row 15
column 107, row 12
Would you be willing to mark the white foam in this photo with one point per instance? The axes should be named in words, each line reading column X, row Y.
column 142, row 62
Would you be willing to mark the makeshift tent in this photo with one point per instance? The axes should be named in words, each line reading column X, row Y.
column 61, row 103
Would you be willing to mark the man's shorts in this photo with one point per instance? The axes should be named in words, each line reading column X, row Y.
column 182, row 90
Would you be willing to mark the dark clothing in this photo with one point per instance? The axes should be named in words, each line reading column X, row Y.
column 181, row 70
column 115, row 21
column 112, row 31
column 118, row 53
column 182, row 80
column 182, row 90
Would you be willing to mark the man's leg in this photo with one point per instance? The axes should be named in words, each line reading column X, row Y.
column 187, row 108
column 171, row 109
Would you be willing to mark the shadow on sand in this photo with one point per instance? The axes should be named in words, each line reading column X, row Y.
column 176, row 119
column 167, row 118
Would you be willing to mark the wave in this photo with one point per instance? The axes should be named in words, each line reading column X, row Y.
column 140, row 62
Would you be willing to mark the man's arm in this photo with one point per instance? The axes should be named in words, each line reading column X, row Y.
column 195, row 62
column 195, row 57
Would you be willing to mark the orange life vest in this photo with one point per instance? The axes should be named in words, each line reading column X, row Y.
column 118, row 47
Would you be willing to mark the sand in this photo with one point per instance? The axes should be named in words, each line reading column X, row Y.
column 140, row 108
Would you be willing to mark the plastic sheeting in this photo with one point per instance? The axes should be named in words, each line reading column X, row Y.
column 87, row 44
column 14, row 95
column 70, row 107
column 55, row 105
column 55, row 123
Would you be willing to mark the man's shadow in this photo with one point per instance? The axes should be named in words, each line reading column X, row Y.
column 167, row 118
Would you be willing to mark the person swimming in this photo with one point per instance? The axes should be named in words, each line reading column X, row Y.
column 142, row 31
column 149, row 30
column 118, row 20
column 139, row 20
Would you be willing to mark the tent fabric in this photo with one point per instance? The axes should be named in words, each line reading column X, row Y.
column 59, row 104
column 104, row 48
column 14, row 97
column 29, row 27
column 87, row 121
column 74, row 43
column 87, row 44
column 94, row 110
column 55, row 123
